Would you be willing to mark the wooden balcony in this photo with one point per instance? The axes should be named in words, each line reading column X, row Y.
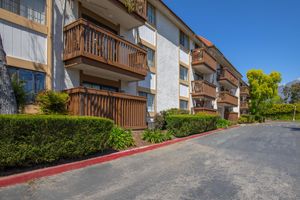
column 88, row 47
column 205, row 110
column 203, row 89
column 244, row 91
column 244, row 105
column 231, row 116
column 126, row 110
column 227, row 79
column 227, row 99
column 203, row 62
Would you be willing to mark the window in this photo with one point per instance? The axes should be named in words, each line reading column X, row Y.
column 31, row 9
column 100, row 87
column 151, row 14
column 33, row 81
column 183, row 73
column 150, row 57
column 183, row 105
column 184, row 40
column 150, row 100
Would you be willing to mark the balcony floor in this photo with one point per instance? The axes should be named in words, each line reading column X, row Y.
column 103, row 69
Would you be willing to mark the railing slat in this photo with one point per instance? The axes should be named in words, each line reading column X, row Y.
column 126, row 110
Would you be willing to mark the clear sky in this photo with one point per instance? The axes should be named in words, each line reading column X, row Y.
column 259, row 34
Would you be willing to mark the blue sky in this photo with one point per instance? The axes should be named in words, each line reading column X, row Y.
column 259, row 34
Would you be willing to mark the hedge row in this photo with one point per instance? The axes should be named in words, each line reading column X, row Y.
column 27, row 140
column 282, row 109
column 184, row 125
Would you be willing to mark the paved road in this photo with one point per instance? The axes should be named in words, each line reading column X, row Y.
column 252, row 162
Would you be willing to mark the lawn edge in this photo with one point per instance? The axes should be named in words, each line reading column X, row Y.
column 50, row 171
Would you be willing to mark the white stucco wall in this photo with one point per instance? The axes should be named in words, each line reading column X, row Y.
column 23, row 43
column 167, row 64
column 63, row 78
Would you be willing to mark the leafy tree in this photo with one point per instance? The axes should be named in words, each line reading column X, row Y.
column 263, row 89
column 292, row 93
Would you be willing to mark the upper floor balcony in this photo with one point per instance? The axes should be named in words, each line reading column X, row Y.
column 128, row 15
column 203, row 89
column 227, row 79
column 203, row 62
column 90, row 48
column 244, row 90
column 227, row 99
column 244, row 105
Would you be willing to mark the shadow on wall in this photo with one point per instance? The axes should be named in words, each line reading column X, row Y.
column 62, row 16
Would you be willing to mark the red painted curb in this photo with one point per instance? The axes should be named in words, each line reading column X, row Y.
column 27, row 176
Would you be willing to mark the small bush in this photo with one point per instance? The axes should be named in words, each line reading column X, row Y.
column 52, row 102
column 184, row 125
column 223, row 123
column 160, row 118
column 120, row 139
column 19, row 92
column 27, row 140
column 246, row 119
column 156, row 136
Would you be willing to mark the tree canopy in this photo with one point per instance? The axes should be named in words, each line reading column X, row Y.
column 263, row 89
column 292, row 93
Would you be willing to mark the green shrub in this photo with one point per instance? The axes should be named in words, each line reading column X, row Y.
column 184, row 125
column 282, row 112
column 156, row 136
column 27, row 140
column 246, row 119
column 52, row 102
column 160, row 118
column 223, row 123
column 19, row 92
column 120, row 139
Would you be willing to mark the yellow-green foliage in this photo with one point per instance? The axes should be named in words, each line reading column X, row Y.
column 52, row 102
column 263, row 89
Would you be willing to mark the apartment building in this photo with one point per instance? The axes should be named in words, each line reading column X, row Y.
column 117, row 60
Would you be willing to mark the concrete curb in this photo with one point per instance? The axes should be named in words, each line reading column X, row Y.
column 49, row 171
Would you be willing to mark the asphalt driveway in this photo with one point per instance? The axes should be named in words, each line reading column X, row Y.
column 251, row 162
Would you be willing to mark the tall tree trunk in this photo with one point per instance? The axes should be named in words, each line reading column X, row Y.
column 8, row 103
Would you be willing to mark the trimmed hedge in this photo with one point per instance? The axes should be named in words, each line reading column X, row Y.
column 283, row 111
column 184, row 125
column 27, row 140
column 160, row 118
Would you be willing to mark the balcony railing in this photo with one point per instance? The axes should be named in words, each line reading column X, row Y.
column 83, row 38
column 202, row 88
column 205, row 110
column 201, row 56
column 226, row 75
column 244, row 105
column 244, row 90
column 126, row 110
column 231, row 116
column 140, row 7
column 227, row 98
